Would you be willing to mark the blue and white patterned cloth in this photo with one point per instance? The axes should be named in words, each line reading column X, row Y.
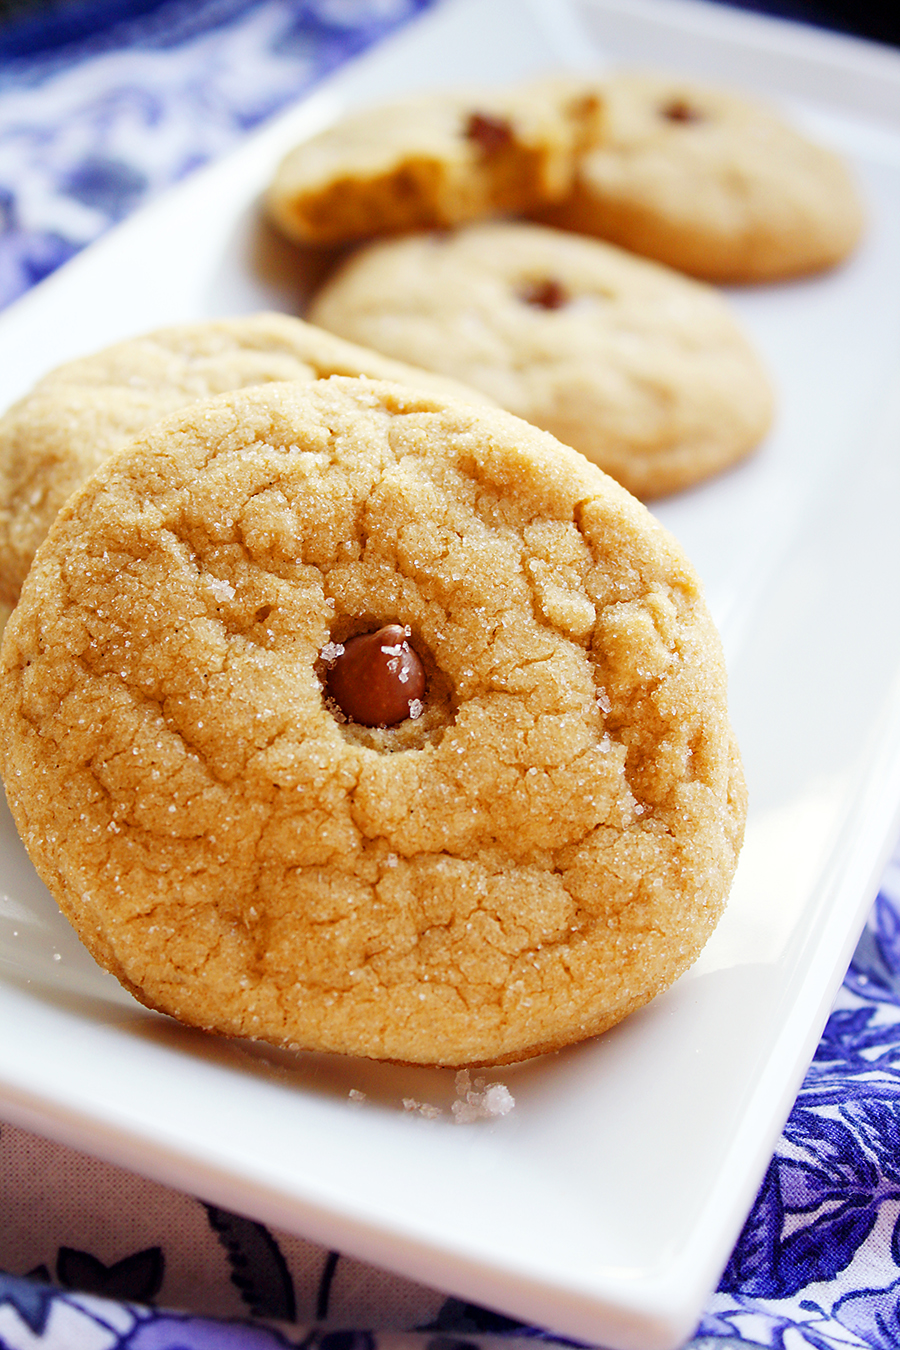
column 92, row 1257
column 91, row 130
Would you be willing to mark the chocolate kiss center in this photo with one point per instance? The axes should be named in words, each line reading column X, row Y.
column 490, row 134
column 377, row 677
column 547, row 294
column 679, row 110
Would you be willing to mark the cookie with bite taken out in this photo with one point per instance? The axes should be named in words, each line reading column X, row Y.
column 435, row 160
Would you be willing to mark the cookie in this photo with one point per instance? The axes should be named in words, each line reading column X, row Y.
column 541, row 843
column 641, row 369
column 711, row 183
column 78, row 414
column 436, row 160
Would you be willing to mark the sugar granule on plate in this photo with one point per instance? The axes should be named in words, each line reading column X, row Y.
column 477, row 1101
column 421, row 1108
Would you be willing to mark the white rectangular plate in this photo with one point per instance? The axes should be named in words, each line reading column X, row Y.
column 606, row 1203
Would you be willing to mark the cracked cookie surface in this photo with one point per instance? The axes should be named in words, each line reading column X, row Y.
column 536, row 856
column 645, row 371
column 75, row 416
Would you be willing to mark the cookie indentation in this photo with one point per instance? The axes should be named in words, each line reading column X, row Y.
column 491, row 134
column 376, row 679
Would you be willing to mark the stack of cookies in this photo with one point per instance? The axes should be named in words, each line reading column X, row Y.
column 350, row 707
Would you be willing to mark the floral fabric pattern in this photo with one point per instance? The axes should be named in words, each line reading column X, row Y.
column 94, row 1258
column 819, row 1256
column 93, row 130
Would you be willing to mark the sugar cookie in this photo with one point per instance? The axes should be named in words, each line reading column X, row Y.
column 51, row 439
column 711, row 183
column 539, row 847
column 436, row 160
column 646, row 372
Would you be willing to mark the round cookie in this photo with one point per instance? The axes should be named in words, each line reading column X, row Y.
column 436, row 160
column 78, row 414
column 710, row 183
column 641, row 369
column 537, row 850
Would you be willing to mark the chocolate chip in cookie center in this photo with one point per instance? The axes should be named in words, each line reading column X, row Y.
column 679, row 110
column 546, row 294
column 376, row 679
column 491, row 134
